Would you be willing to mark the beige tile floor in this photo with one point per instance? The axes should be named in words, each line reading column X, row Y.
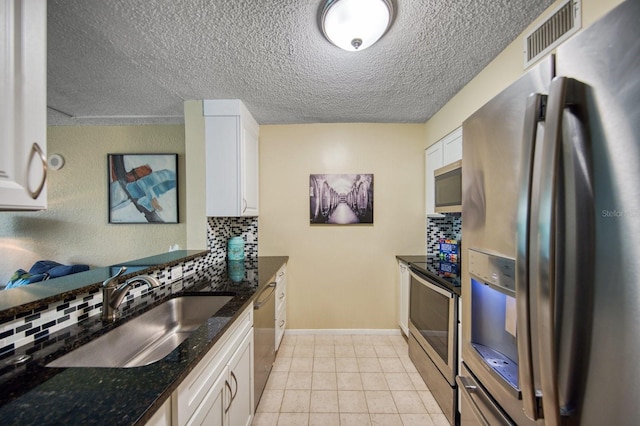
column 328, row 379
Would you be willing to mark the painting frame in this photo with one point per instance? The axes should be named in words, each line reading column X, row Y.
column 341, row 199
column 142, row 188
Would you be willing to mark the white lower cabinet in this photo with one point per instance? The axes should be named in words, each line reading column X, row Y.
column 403, row 297
column 281, row 304
column 162, row 417
column 219, row 390
column 240, row 407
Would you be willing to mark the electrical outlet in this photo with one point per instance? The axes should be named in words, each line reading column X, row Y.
column 176, row 273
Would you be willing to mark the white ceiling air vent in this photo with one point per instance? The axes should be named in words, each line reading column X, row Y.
column 558, row 26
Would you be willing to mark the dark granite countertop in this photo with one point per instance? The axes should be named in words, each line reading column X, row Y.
column 33, row 394
column 422, row 259
column 412, row 258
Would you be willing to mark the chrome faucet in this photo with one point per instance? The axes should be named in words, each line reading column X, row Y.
column 113, row 295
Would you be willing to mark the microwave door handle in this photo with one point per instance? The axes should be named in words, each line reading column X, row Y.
column 533, row 116
column 565, row 261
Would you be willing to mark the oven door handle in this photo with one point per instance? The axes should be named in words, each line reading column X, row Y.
column 431, row 286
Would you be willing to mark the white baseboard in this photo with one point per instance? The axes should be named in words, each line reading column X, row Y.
column 343, row 331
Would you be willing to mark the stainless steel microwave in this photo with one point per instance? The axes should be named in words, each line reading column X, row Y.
column 448, row 188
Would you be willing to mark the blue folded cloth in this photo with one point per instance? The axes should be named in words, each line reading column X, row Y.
column 43, row 270
column 42, row 266
column 22, row 277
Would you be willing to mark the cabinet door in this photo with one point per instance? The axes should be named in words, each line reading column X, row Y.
column 23, row 107
column 403, row 287
column 231, row 150
column 212, row 411
column 222, row 171
column 249, row 173
column 162, row 417
column 452, row 147
column 241, row 380
column 433, row 161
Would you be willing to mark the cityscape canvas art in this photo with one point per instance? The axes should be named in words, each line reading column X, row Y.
column 341, row 199
column 143, row 188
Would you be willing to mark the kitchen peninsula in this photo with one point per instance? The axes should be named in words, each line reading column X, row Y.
column 123, row 396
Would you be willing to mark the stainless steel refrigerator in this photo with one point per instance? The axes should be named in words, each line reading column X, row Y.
column 551, row 238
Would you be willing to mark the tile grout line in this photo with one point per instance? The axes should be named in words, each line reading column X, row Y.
column 311, row 343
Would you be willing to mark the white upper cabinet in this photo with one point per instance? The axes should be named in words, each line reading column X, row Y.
column 231, row 156
column 452, row 147
column 446, row 151
column 222, row 142
column 23, row 105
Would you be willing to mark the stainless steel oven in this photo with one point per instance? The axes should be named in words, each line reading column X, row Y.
column 433, row 338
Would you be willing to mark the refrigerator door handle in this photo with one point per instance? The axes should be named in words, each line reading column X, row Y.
column 534, row 114
column 565, row 250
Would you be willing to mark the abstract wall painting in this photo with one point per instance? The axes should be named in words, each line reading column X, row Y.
column 341, row 199
column 143, row 188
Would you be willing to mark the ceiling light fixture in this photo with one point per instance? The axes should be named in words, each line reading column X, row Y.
column 355, row 24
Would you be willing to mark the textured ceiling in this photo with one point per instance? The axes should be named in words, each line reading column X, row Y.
column 136, row 61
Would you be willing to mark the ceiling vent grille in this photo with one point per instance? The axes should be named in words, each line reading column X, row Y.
column 558, row 26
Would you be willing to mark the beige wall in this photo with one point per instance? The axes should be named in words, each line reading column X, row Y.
column 342, row 277
column 345, row 277
column 74, row 229
column 500, row 73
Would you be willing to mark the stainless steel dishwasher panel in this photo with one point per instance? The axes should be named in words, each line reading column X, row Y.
column 264, row 331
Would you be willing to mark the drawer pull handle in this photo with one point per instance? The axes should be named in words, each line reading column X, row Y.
column 228, row 386
column 233, row 376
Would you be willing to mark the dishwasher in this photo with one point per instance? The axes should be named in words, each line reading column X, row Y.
column 264, row 344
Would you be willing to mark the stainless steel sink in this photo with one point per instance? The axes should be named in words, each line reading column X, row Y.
column 147, row 338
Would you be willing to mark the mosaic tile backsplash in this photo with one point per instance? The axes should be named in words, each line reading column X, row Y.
column 35, row 326
column 220, row 229
column 449, row 227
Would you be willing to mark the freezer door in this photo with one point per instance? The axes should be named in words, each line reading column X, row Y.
column 477, row 407
column 606, row 58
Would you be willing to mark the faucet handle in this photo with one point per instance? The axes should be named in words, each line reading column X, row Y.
column 110, row 282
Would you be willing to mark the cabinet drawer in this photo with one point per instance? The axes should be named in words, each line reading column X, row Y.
column 195, row 387
column 281, row 287
column 281, row 295
column 281, row 324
